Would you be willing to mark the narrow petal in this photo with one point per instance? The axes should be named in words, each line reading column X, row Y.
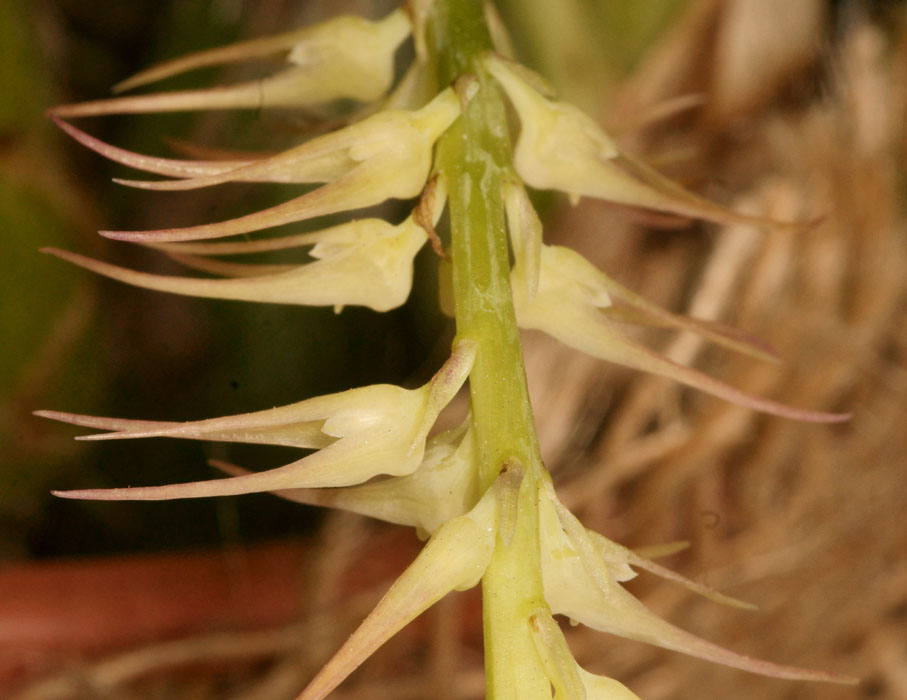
column 360, row 228
column 639, row 357
column 694, row 586
column 348, row 193
column 453, row 559
column 643, row 311
column 291, row 426
column 222, row 55
column 620, row 558
column 275, row 430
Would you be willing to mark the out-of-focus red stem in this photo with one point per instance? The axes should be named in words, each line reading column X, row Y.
column 80, row 608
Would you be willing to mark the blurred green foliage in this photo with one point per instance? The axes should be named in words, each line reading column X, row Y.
column 586, row 47
column 45, row 319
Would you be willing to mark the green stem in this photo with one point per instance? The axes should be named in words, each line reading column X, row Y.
column 475, row 158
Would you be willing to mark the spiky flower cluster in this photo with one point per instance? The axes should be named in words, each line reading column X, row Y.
column 373, row 451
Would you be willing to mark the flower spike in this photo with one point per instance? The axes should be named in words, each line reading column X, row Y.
column 344, row 57
column 385, row 156
column 455, row 558
column 170, row 167
column 561, row 148
column 368, row 262
column 362, row 433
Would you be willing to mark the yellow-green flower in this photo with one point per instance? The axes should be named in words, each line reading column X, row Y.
column 559, row 292
column 561, row 148
column 582, row 582
column 345, row 57
column 359, row 434
column 367, row 262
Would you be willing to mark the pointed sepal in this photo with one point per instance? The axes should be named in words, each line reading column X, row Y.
column 443, row 487
column 455, row 558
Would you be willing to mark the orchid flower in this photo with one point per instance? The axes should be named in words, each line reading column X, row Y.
column 367, row 262
column 346, row 57
column 444, row 486
column 561, row 148
column 359, row 434
column 584, row 585
column 388, row 155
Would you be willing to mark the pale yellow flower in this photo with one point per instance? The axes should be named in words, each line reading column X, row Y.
column 561, row 148
column 384, row 156
column 455, row 558
column 359, row 434
column 343, row 57
column 559, row 292
column 583, row 583
column 367, row 262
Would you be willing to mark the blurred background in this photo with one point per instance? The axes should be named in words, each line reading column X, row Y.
column 791, row 109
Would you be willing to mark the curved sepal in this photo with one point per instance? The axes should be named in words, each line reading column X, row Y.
column 573, row 302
